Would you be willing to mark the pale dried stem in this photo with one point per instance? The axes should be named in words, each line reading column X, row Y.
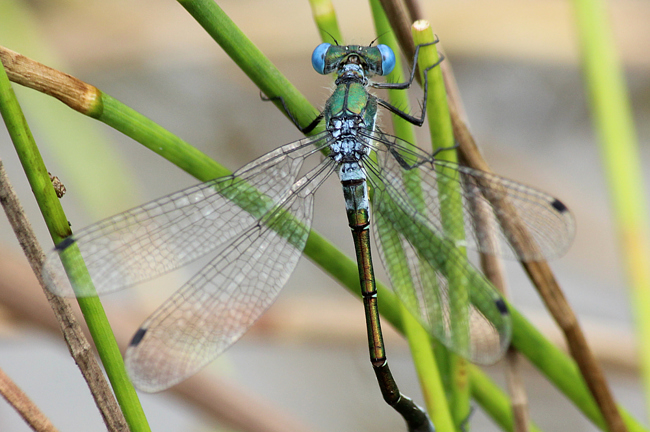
column 517, row 391
column 25, row 407
column 71, row 91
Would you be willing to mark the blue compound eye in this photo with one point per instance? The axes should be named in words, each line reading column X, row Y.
column 318, row 57
column 387, row 59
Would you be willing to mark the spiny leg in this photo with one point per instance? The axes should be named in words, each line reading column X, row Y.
column 464, row 425
column 305, row 130
column 407, row 84
column 418, row 121
column 407, row 167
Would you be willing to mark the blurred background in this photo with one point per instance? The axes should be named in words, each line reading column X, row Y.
column 517, row 68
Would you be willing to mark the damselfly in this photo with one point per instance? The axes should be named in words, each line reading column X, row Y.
column 257, row 221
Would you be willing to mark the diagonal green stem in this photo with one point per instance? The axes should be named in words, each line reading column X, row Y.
column 250, row 59
column 442, row 137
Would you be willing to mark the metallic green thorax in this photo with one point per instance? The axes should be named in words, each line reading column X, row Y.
column 352, row 99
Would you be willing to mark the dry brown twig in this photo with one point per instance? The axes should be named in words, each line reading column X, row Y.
column 538, row 271
column 547, row 286
column 542, row 277
column 494, row 271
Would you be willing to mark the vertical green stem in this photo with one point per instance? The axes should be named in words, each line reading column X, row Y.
column 325, row 19
column 614, row 125
column 420, row 343
column 450, row 199
column 57, row 224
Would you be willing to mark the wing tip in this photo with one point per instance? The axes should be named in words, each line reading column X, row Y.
column 138, row 336
column 502, row 307
column 559, row 206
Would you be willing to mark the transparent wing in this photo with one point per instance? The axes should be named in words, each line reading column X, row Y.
column 426, row 211
column 172, row 231
column 533, row 225
column 436, row 282
column 216, row 307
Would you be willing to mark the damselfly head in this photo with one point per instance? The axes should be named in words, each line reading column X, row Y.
column 375, row 60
